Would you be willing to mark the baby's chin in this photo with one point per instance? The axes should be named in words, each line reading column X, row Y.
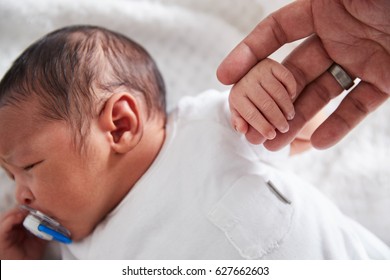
column 78, row 234
column 81, row 229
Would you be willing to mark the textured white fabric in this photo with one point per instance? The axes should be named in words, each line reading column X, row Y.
column 206, row 197
column 189, row 38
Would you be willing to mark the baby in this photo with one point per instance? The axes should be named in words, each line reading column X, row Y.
column 85, row 137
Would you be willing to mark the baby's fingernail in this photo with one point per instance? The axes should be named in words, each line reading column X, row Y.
column 284, row 128
column 271, row 135
column 236, row 128
column 290, row 116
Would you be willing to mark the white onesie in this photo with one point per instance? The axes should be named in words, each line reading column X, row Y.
column 212, row 195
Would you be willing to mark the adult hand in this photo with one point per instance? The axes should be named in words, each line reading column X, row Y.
column 353, row 34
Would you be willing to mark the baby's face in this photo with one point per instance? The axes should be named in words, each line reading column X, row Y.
column 50, row 174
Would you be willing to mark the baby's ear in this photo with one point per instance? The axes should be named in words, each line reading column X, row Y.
column 121, row 120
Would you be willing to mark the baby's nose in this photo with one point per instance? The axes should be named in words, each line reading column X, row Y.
column 24, row 195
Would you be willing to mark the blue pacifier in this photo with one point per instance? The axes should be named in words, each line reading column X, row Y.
column 45, row 227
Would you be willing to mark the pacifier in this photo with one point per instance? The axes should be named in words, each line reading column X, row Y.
column 45, row 227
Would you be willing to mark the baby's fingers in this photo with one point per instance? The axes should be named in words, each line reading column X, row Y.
column 281, row 97
column 246, row 110
column 10, row 230
column 239, row 124
column 10, row 219
column 254, row 137
column 15, row 241
column 269, row 109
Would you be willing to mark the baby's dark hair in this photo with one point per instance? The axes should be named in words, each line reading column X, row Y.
column 66, row 69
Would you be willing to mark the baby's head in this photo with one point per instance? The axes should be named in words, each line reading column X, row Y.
column 75, row 114
column 71, row 72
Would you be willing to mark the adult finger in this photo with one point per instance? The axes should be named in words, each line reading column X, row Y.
column 312, row 99
column 361, row 101
column 315, row 86
column 269, row 35
column 307, row 62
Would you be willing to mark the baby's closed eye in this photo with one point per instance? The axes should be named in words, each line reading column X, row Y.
column 31, row 166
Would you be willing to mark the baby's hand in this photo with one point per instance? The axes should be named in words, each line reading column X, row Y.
column 262, row 100
column 16, row 243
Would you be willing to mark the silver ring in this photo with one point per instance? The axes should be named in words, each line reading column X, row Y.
column 341, row 76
